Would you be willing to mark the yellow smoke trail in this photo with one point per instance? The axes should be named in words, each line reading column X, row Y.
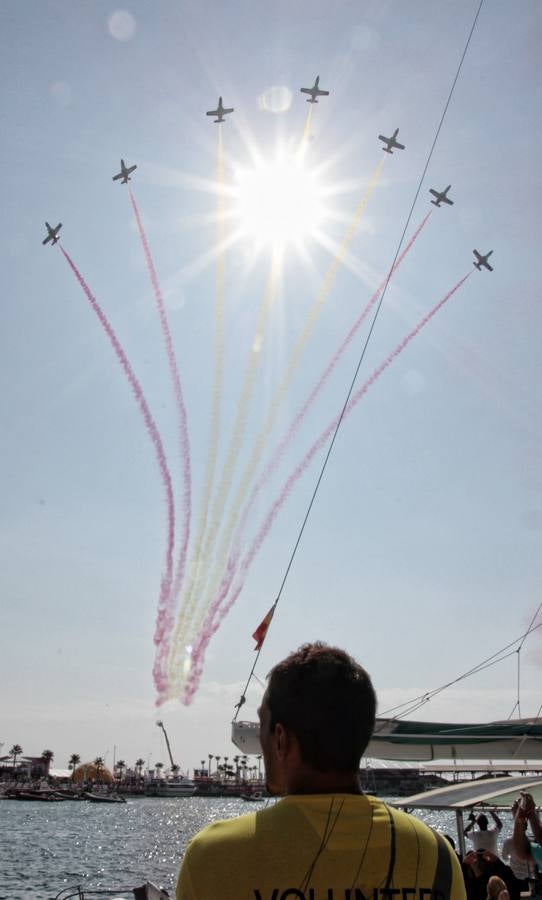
column 178, row 640
column 264, row 434
column 193, row 608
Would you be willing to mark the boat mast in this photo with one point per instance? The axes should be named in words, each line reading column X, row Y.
column 162, row 726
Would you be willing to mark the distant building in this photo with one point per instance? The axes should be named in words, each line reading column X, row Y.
column 29, row 766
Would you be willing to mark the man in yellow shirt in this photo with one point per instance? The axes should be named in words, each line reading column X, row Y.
column 324, row 840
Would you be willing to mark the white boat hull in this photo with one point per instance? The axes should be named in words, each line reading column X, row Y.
column 425, row 741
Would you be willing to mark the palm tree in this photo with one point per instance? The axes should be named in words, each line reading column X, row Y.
column 120, row 767
column 99, row 764
column 139, row 763
column 15, row 751
column 159, row 766
column 75, row 759
column 47, row 756
column 210, row 756
column 236, row 761
column 202, row 770
column 259, row 758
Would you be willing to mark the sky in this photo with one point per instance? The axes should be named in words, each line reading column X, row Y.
column 422, row 553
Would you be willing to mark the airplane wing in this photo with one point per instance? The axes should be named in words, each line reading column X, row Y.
column 382, row 138
column 434, row 192
column 212, row 112
column 131, row 169
column 47, row 239
column 116, row 177
column 399, row 146
column 477, row 255
column 323, row 93
column 306, row 90
column 486, row 264
column 226, row 111
column 447, row 200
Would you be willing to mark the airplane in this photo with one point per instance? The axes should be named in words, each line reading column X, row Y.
column 441, row 196
column 482, row 260
column 219, row 112
column 52, row 233
column 124, row 173
column 315, row 91
column 391, row 142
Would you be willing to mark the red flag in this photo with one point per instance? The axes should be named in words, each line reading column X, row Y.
column 261, row 631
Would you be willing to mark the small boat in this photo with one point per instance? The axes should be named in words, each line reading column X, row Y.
column 103, row 798
column 65, row 794
column 147, row 891
column 255, row 797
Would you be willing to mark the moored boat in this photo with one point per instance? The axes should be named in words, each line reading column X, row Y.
column 255, row 797
column 40, row 796
column 182, row 787
column 103, row 798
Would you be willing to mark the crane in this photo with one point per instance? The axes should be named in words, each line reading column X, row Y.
column 162, row 726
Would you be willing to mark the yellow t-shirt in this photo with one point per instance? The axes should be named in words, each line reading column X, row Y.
column 321, row 847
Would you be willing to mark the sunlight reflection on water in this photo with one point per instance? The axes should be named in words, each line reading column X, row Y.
column 46, row 847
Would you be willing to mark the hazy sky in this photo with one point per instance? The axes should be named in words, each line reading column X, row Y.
column 422, row 554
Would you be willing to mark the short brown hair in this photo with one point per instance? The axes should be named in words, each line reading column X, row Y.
column 328, row 701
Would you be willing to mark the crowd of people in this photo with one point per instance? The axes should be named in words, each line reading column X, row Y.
column 490, row 875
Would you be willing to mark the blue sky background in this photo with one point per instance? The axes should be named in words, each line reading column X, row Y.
column 422, row 555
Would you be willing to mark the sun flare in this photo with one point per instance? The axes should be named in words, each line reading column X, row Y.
column 279, row 202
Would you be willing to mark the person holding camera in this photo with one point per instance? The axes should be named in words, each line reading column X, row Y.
column 483, row 838
column 525, row 849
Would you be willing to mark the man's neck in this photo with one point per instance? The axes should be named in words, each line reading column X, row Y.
column 311, row 782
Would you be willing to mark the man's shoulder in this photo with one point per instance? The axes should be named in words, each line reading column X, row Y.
column 401, row 820
column 225, row 831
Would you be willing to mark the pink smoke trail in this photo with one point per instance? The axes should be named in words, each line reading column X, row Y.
column 298, row 419
column 166, row 609
column 154, row 434
column 211, row 624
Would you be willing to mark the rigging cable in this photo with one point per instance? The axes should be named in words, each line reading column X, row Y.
column 517, row 704
column 484, row 664
column 367, row 340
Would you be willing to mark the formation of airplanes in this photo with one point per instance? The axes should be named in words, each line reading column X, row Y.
column 315, row 91
column 391, row 143
column 125, row 172
column 219, row 112
column 52, row 233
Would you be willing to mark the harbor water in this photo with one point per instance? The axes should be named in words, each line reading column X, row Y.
column 45, row 847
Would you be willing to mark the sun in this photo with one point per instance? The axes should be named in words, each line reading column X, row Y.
column 278, row 203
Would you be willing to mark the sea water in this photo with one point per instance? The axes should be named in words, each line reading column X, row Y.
column 45, row 847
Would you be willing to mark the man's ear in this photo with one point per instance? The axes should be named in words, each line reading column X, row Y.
column 281, row 741
column 286, row 742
